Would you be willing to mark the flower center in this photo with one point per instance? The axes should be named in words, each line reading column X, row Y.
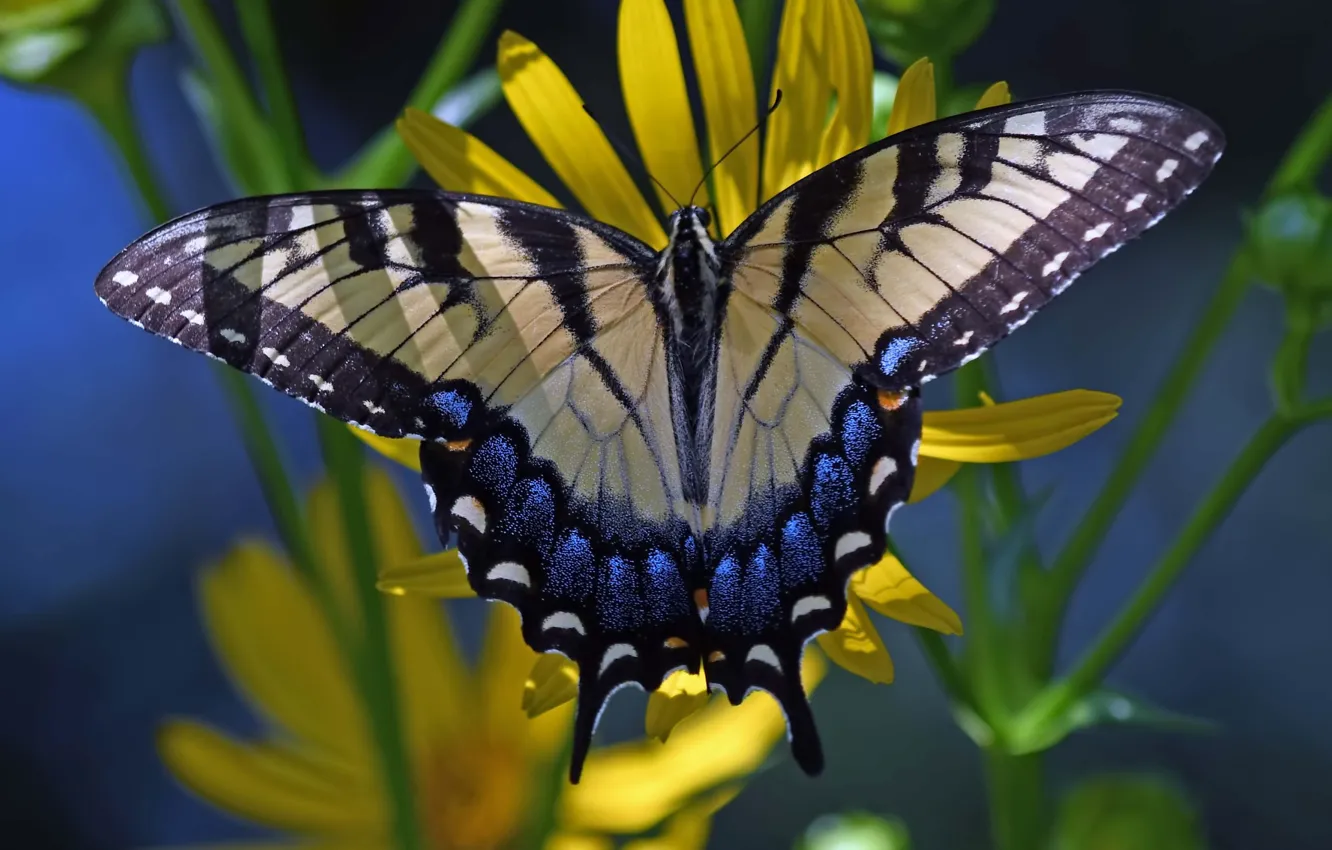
column 473, row 796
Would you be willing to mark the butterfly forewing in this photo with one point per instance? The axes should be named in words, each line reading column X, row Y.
column 915, row 254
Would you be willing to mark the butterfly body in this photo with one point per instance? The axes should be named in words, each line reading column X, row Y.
column 678, row 458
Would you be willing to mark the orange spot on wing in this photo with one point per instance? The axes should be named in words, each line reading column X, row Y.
column 676, row 643
column 701, row 599
column 457, row 445
column 715, row 656
column 891, row 401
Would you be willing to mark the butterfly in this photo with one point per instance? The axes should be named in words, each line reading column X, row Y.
column 671, row 459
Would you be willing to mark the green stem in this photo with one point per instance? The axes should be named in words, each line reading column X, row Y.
column 374, row 663
column 543, row 809
column 385, row 160
column 1051, row 703
column 264, row 456
column 1017, row 800
column 256, row 22
column 1306, row 156
column 234, row 97
column 945, row 666
column 1292, row 358
column 756, row 17
column 106, row 96
column 1077, row 553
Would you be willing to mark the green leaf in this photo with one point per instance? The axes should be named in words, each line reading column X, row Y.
column 16, row 15
column 905, row 30
column 855, row 831
column 1107, row 707
column 231, row 148
column 29, row 56
column 1127, row 813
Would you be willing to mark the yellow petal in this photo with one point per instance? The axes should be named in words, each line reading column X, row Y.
column 914, row 103
column 433, row 677
column 280, row 651
column 1016, row 430
column 726, row 83
column 655, row 97
column 851, row 74
column 888, row 588
column 394, row 534
column 628, row 788
column 460, row 162
column 680, row 695
column 552, row 682
column 505, row 664
column 856, row 645
column 405, row 452
column 795, row 129
column 271, row 784
column 575, row 841
column 996, row 95
column 689, row 829
column 931, row 475
column 439, row 574
column 552, row 114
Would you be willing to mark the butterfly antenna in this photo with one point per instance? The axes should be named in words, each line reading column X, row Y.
column 776, row 101
column 628, row 153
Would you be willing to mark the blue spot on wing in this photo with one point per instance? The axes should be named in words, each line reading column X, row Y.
column 762, row 593
column 619, row 604
column 495, row 465
column 453, row 405
column 802, row 552
column 666, row 595
column 531, row 514
column 724, row 602
column 860, row 429
column 570, row 570
column 831, row 492
column 895, row 352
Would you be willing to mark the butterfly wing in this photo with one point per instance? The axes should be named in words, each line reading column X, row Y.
column 516, row 341
column 881, row 271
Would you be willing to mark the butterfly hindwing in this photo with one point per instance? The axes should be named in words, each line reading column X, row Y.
column 913, row 255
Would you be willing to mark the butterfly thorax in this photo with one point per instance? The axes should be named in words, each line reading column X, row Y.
column 688, row 292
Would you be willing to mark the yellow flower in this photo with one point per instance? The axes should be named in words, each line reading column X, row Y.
column 476, row 760
column 823, row 57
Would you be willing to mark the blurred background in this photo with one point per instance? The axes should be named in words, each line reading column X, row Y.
column 125, row 473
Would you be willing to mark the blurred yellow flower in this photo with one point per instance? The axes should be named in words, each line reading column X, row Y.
column 476, row 760
column 823, row 57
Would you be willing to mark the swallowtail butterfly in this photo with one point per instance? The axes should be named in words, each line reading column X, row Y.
column 678, row 458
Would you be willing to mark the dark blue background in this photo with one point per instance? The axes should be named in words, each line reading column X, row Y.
column 124, row 474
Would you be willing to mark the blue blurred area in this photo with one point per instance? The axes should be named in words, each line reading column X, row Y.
column 125, row 474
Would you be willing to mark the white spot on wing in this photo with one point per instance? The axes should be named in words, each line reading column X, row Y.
column 883, row 467
column 320, row 384
column 888, row 520
column 964, row 339
column 1135, row 203
column 763, row 654
column 430, row 494
column 161, row 296
column 470, row 510
column 232, row 336
column 372, row 407
column 125, row 278
column 808, row 605
column 1015, row 303
column 1192, row 143
column 563, row 620
column 915, row 452
column 278, row 359
column 510, row 571
column 1128, row 125
column 1167, row 168
column 1096, row 232
column 193, row 317
column 614, row 653
column 1028, row 124
column 1056, row 262
column 850, row 542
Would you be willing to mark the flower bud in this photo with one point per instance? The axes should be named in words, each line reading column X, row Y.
column 905, row 30
column 66, row 42
column 1290, row 246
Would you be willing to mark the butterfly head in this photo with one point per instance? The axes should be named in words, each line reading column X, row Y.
column 691, row 251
